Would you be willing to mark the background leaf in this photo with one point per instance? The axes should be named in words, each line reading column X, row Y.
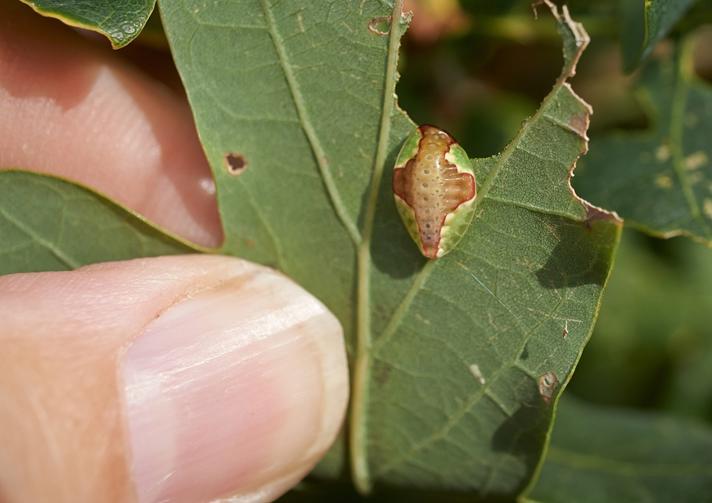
column 120, row 22
column 659, row 180
column 603, row 454
column 645, row 23
column 48, row 224
column 446, row 354
column 652, row 344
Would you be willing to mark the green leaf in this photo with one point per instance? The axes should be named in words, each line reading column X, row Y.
column 48, row 224
column 652, row 344
column 448, row 356
column 690, row 392
column 120, row 22
column 660, row 180
column 607, row 454
column 645, row 23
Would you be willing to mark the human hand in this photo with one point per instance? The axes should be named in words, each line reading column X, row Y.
column 168, row 379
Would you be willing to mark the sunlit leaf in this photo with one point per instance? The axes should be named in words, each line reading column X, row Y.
column 120, row 22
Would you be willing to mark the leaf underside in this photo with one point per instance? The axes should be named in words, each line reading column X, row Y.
column 48, row 224
column 298, row 90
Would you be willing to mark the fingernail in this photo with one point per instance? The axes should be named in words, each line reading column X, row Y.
column 233, row 388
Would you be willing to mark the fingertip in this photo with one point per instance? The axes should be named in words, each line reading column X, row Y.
column 177, row 378
column 74, row 109
column 233, row 390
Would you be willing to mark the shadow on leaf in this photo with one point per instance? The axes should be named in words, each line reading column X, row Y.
column 581, row 257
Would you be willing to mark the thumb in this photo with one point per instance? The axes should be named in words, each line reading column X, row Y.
column 169, row 379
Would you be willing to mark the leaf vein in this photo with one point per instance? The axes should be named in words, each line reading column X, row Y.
column 474, row 399
column 30, row 232
column 308, row 128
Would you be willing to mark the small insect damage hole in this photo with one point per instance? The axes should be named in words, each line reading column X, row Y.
column 380, row 25
column 236, row 164
column 547, row 386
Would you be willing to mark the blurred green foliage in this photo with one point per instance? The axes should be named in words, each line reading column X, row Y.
column 652, row 346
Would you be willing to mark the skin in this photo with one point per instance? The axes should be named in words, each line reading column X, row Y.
column 262, row 412
column 432, row 188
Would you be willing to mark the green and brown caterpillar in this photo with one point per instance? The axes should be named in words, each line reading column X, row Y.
column 434, row 189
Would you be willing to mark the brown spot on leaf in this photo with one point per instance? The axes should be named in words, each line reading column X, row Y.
column 380, row 25
column 579, row 124
column 594, row 213
column 236, row 164
column 547, row 386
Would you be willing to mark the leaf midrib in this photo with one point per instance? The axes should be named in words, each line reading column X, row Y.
column 358, row 438
column 361, row 240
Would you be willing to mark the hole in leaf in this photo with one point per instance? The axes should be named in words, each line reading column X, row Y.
column 547, row 386
column 236, row 164
column 380, row 25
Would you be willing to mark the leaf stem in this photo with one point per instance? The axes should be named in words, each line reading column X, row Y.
column 359, row 395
